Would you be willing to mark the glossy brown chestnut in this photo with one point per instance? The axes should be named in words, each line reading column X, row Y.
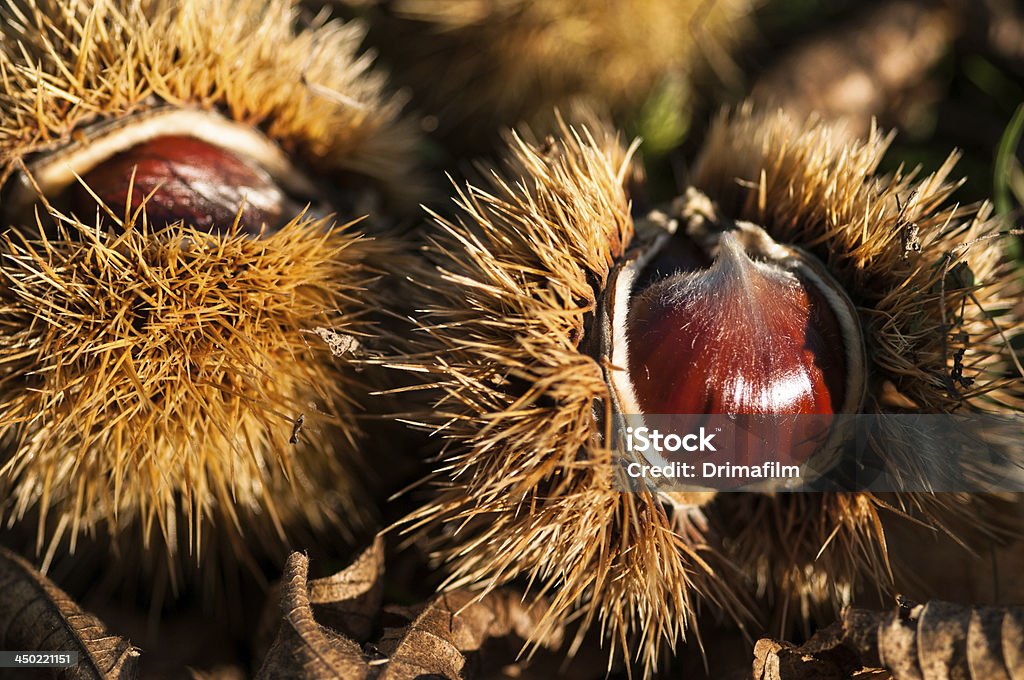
column 184, row 179
column 746, row 336
column 738, row 337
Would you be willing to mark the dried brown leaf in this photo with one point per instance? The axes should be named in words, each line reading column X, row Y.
column 348, row 601
column 453, row 625
column 775, row 660
column 913, row 642
column 940, row 640
column 36, row 615
column 304, row 648
column 323, row 619
column 823, row 657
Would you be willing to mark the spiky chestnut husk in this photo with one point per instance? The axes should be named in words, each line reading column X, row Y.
column 145, row 373
column 151, row 379
column 68, row 64
column 526, row 481
column 522, row 58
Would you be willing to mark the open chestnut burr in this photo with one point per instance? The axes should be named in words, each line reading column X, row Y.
column 521, row 60
column 178, row 246
column 780, row 282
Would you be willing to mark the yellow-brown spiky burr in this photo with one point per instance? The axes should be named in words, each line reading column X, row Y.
column 478, row 66
column 185, row 282
column 538, row 332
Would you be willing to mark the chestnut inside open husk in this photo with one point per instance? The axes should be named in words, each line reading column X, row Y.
column 549, row 315
column 721, row 319
column 184, row 179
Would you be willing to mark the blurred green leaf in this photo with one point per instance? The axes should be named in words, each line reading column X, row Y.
column 664, row 119
column 1007, row 168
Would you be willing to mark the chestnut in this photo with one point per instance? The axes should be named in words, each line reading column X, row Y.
column 156, row 359
column 763, row 330
column 777, row 283
column 184, row 179
column 522, row 59
column 739, row 337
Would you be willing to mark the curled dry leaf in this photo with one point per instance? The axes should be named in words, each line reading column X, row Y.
column 36, row 615
column 349, row 600
column 304, row 648
column 941, row 640
column 324, row 618
column 823, row 657
column 932, row 640
column 436, row 641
